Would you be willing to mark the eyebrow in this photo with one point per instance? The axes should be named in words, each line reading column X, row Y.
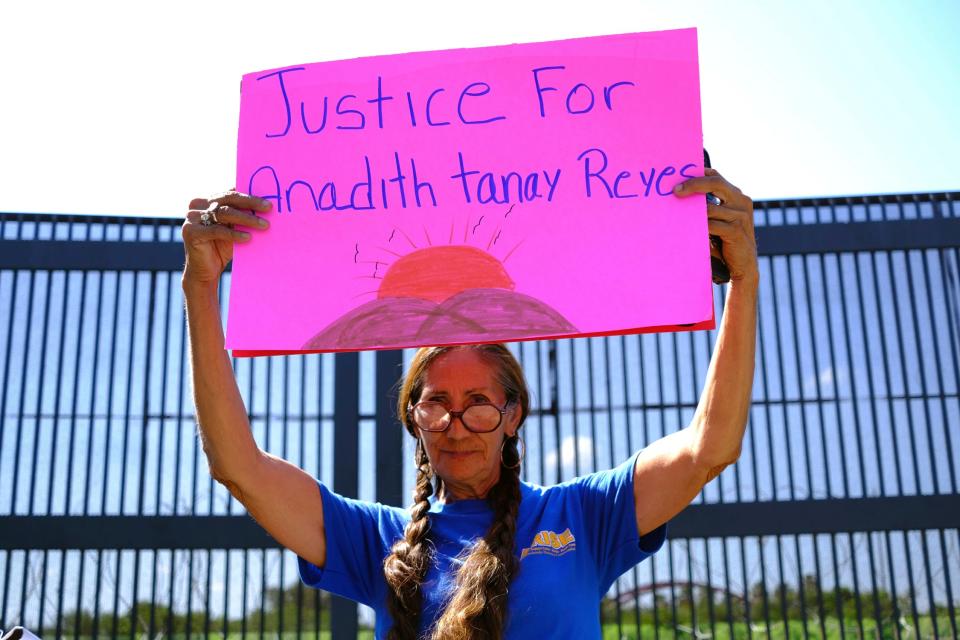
column 483, row 390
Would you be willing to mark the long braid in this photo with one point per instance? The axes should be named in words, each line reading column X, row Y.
column 478, row 607
column 407, row 564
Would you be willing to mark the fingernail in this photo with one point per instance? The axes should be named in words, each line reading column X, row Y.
column 677, row 188
column 262, row 223
column 265, row 203
column 244, row 235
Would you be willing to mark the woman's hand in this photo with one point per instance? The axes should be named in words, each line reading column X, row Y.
column 209, row 247
column 731, row 221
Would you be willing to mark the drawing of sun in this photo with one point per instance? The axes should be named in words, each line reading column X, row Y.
column 436, row 273
column 440, row 294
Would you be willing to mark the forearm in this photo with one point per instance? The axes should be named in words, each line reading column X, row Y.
column 221, row 415
column 721, row 416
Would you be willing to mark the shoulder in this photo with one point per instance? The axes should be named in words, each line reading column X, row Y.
column 617, row 478
column 386, row 518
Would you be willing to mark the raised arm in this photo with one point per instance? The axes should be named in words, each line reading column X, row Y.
column 671, row 471
column 281, row 497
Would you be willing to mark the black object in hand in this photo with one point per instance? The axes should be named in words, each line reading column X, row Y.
column 721, row 274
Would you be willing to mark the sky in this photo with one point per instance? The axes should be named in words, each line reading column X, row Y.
column 126, row 108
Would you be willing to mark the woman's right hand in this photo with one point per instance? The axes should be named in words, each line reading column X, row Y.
column 209, row 248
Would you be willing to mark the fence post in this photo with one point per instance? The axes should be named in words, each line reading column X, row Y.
column 346, row 423
column 389, row 431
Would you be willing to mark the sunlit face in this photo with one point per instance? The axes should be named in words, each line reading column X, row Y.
column 467, row 462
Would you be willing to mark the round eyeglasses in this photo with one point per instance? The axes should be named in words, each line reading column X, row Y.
column 435, row 417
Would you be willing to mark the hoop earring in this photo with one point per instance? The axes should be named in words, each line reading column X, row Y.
column 522, row 450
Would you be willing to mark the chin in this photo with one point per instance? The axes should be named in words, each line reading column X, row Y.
column 459, row 470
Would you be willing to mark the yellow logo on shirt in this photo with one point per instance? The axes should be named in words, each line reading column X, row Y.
column 555, row 544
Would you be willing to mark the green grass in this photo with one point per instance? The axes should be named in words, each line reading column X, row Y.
column 666, row 632
column 779, row 632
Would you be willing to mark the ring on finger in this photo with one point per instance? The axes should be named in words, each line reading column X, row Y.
column 209, row 217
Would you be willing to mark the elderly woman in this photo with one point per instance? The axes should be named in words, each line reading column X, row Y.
column 480, row 554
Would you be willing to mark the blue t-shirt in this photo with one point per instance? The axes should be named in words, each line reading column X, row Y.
column 573, row 539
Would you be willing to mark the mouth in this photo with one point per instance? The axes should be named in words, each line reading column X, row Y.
column 459, row 455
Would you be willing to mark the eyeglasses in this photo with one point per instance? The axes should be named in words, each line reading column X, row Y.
column 483, row 417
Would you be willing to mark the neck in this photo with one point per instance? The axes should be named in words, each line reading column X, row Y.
column 454, row 491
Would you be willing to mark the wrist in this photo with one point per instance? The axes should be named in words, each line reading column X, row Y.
column 748, row 281
column 193, row 288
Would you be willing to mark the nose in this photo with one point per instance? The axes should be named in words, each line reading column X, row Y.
column 457, row 430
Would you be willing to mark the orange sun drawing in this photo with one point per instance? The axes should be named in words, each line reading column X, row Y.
column 437, row 273
column 441, row 294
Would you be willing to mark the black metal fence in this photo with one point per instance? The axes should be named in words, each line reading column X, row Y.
column 841, row 517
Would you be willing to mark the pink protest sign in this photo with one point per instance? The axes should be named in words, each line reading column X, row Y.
column 473, row 195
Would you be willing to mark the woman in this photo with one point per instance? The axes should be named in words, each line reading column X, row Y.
column 480, row 554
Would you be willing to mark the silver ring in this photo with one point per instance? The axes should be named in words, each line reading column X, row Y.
column 209, row 217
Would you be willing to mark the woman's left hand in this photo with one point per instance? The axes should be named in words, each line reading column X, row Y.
column 731, row 221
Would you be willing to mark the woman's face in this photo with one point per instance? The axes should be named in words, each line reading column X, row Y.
column 467, row 462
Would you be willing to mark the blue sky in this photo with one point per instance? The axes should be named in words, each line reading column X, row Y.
column 116, row 108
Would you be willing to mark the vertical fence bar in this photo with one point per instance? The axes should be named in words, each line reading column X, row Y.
column 96, row 597
column 128, row 405
column 58, row 621
column 317, row 617
column 108, row 427
column 679, row 413
column 151, row 624
column 189, row 625
column 572, row 345
column 42, row 354
column 951, row 613
column 206, row 595
column 553, row 375
column 74, row 399
column 61, row 351
column 801, row 587
column 887, row 378
column 21, row 406
column 389, row 436
column 243, row 599
column 302, row 463
column 541, row 414
column 226, row 594
column 914, row 611
column 726, row 588
column 940, row 366
column 835, row 399
column 346, row 420
column 92, row 422
column 747, row 614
